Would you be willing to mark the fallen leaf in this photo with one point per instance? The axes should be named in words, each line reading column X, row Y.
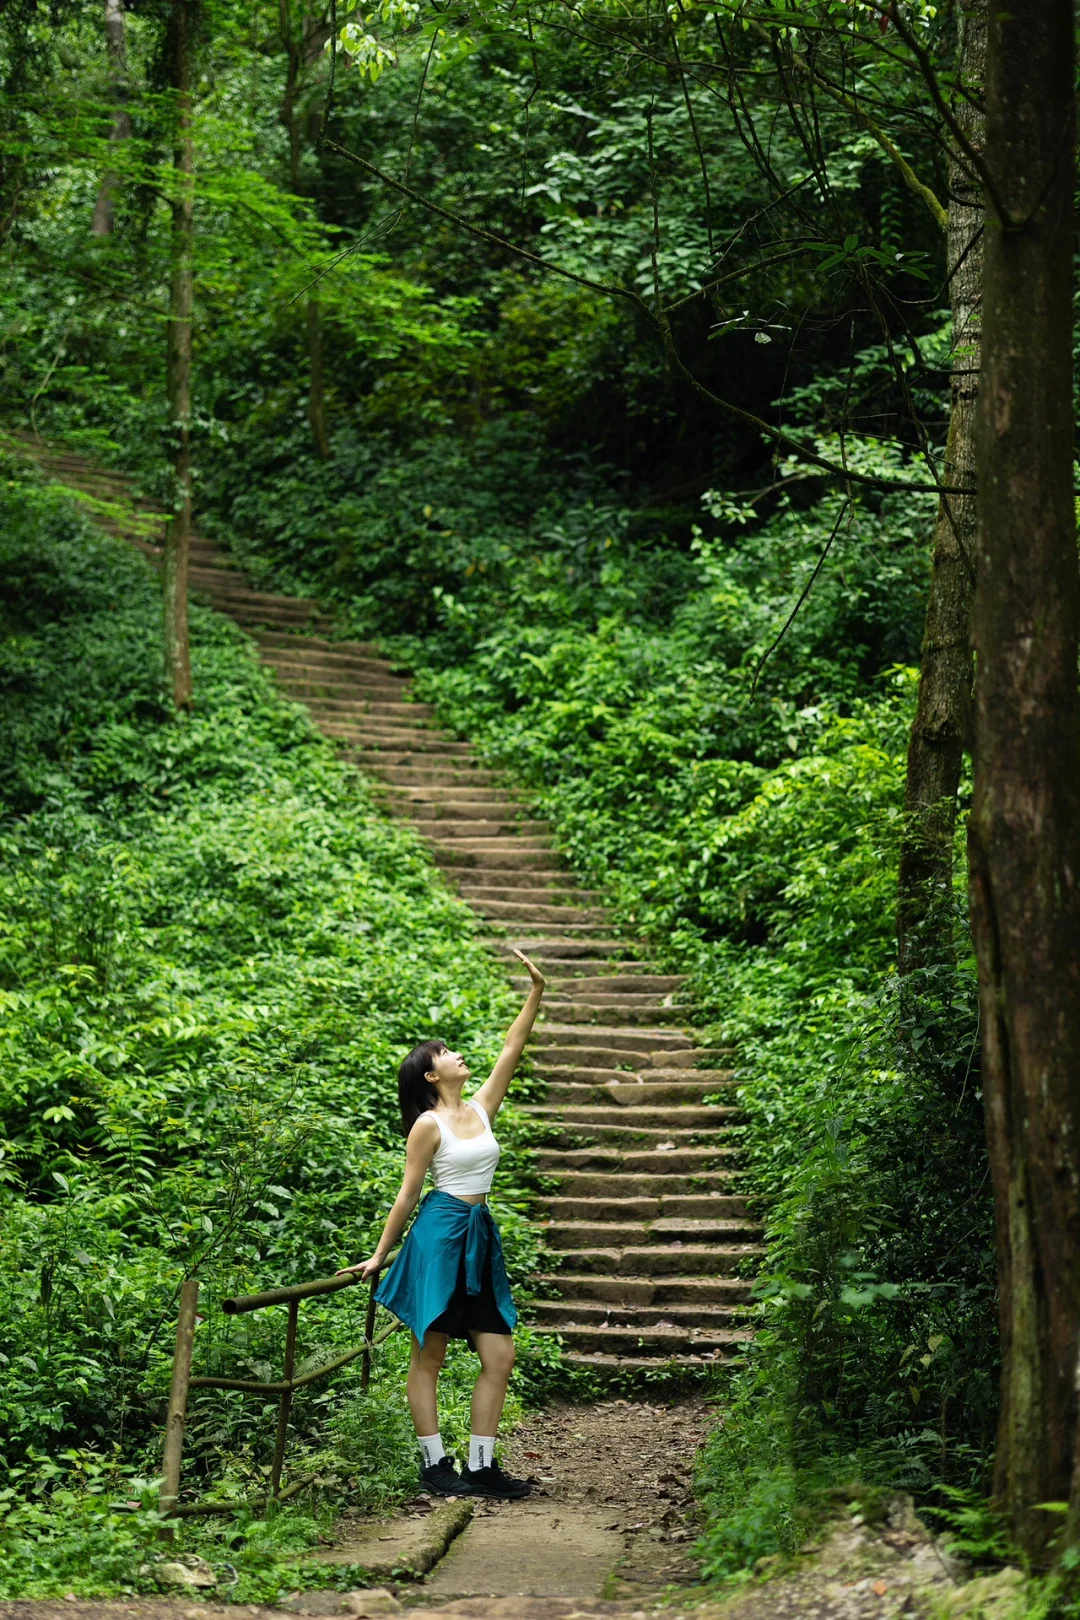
column 880, row 1588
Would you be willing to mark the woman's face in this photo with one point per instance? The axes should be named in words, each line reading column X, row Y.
column 450, row 1068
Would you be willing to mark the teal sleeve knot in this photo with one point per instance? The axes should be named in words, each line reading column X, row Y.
column 420, row 1284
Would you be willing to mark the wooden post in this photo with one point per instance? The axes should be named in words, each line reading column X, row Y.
column 369, row 1331
column 178, row 1395
column 286, row 1400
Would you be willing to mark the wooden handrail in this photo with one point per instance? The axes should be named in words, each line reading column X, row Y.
column 283, row 1388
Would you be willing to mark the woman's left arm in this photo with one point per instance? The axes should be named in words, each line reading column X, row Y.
column 493, row 1092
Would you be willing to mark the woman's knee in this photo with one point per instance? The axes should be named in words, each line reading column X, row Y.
column 497, row 1354
column 429, row 1356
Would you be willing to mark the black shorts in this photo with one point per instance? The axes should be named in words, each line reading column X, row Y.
column 467, row 1313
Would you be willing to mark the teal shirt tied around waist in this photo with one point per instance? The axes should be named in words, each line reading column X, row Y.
column 421, row 1282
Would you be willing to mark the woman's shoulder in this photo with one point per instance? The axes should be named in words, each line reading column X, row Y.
column 426, row 1128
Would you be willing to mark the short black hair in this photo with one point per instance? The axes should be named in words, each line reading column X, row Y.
column 415, row 1094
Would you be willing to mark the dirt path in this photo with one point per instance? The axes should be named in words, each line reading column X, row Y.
column 607, row 1537
column 612, row 1512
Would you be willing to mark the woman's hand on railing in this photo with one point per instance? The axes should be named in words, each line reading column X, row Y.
column 363, row 1269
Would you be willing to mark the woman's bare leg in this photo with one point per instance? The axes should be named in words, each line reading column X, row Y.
column 421, row 1386
column 496, row 1352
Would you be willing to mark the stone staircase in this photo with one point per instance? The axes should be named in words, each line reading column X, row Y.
column 647, row 1242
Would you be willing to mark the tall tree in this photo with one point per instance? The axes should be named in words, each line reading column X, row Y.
column 941, row 728
column 1025, row 823
column 116, row 45
column 303, row 34
column 183, row 21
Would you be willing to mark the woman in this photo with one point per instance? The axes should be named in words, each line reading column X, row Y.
column 449, row 1281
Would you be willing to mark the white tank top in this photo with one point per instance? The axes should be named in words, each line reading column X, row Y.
column 465, row 1166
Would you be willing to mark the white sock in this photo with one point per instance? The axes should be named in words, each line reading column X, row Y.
column 481, row 1450
column 431, row 1448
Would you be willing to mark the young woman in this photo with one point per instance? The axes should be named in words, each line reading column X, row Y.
column 449, row 1281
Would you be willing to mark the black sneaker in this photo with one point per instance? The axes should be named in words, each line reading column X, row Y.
column 491, row 1481
column 443, row 1478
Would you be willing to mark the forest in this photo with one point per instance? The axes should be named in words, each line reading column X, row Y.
column 681, row 396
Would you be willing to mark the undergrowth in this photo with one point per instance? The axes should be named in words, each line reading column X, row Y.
column 214, row 953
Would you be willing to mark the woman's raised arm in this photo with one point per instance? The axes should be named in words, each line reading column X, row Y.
column 493, row 1092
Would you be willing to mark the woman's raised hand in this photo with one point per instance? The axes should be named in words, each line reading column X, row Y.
column 531, row 968
column 364, row 1269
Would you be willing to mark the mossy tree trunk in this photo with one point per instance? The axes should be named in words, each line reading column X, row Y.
column 105, row 207
column 303, row 37
column 1024, row 830
column 940, row 731
column 181, row 45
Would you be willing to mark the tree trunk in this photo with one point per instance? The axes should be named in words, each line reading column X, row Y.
column 941, row 728
column 181, row 306
column 105, row 208
column 316, row 397
column 1024, row 832
column 298, row 43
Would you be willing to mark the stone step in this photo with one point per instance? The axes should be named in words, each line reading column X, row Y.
column 644, row 1372
column 393, row 742
column 617, row 1340
column 611, row 1074
column 460, row 776
column 519, row 845
column 610, row 1207
column 622, row 1057
column 228, row 586
column 512, row 858
column 472, row 831
column 536, row 912
column 374, row 708
column 407, row 799
column 614, row 1039
column 648, row 1063
column 620, row 1010
column 691, row 1294
column 373, row 726
column 622, row 1130
column 616, row 1313
column 569, row 966
column 368, row 687
column 565, row 952
column 667, row 1232
column 305, row 663
column 225, row 581
column 545, row 883
column 687, row 1158
column 632, row 1094
column 347, row 649
column 244, row 613
column 690, row 1118
column 383, row 761
column 566, row 933
column 701, row 1259
column 474, row 812
column 613, row 1183
column 587, row 985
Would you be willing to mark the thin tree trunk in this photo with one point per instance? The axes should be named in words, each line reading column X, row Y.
column 105, row 207
column 1024, row 832
column 941, row 728
column 316, row 392
column 181, row 307
column 294, row 38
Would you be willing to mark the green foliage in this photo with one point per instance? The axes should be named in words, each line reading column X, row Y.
column 214, row 953
column 213, row 947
